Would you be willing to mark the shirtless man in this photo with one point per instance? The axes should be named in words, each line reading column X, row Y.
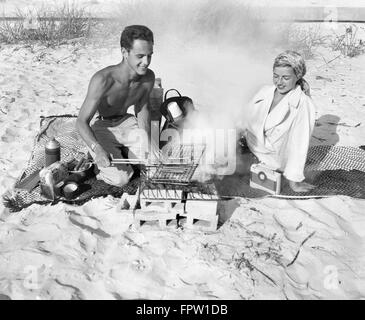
column 111, row 92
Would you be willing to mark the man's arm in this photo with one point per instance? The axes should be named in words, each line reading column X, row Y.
column 97, row 87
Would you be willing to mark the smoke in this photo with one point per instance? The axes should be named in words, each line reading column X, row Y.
column 219, row 53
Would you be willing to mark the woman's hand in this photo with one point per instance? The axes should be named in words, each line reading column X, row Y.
column 300, row 186
column 101, row 157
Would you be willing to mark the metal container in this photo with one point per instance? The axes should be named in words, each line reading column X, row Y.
column 156, row 96
column 175, row 111
column 52, row 152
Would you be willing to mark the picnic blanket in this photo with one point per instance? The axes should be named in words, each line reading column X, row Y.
column 62, row 127
column 335, row 170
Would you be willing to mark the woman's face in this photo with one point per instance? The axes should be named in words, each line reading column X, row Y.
column 284, row 79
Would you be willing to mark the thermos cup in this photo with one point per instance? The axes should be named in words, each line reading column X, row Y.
column 52, row 151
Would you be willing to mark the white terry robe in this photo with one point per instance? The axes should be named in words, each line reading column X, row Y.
column 280, row 139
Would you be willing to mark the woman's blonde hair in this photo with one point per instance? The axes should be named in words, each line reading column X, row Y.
column 293, row 59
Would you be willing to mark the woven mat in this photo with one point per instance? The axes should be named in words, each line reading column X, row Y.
column 328, row 183
column 72, row 147
column 335, row 170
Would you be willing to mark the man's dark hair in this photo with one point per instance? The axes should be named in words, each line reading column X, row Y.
column 135, row 32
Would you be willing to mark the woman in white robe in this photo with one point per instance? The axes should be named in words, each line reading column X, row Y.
column 281, row 120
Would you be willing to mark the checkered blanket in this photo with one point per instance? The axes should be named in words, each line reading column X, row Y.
column 335, row 170
column 72, row 147
column 335, row 158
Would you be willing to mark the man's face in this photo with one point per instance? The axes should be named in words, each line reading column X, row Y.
column 284, row 79
column 139, row 56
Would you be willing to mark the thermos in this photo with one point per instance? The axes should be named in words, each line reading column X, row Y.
column 52, row 151
column 156, row 99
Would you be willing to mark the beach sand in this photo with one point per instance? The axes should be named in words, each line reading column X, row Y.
column 263, row 249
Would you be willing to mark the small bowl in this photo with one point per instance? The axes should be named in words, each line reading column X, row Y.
column 70, row 190
column 81, row 175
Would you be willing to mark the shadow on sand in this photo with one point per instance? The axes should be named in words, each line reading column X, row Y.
column 325, row 130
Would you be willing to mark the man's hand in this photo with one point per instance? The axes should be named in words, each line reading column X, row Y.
column 301, row 186
column 101, row 157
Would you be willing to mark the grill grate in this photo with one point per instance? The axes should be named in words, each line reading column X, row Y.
column 176, row 167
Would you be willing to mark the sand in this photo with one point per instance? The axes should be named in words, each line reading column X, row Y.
column 263, row 249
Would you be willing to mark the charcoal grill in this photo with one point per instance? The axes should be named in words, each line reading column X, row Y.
column 169, row 174
column 177, row 167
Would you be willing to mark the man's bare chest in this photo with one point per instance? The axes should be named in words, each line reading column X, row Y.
column 122, row 96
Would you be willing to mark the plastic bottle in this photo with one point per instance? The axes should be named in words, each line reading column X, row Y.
column 52, row 152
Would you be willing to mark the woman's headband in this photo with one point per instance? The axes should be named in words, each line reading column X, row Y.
column 293, row 59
